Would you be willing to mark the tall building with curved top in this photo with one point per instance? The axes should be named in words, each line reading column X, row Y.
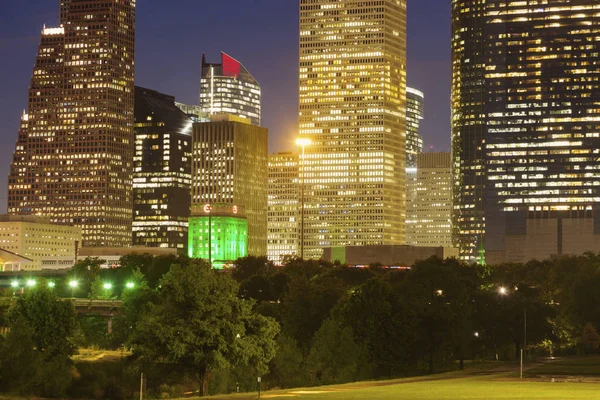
column 228, row 88
column 73, row 161
column 415, row 111
column 352, row 106
column 528, row 94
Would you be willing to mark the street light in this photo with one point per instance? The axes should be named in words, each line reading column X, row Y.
column 130, row 285
column 107, row 286
column 303, row 142
column 51, row 285
column 30, row 283
column 14, row 284
column 502, row 290
column 73, row 285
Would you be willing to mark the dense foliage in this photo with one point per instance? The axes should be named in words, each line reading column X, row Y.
column 306, row 323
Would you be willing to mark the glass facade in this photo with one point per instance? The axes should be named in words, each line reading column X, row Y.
column 73, row 160
column 162, row 177
column 352, row 107
column 415, row 111
column 228, row 88
column 526, row 118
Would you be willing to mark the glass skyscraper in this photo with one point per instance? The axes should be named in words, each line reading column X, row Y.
column 73, row 160
column 162, row 177
column 415, row 111
column 526, row 138
column 352, row 107
column 228, row 88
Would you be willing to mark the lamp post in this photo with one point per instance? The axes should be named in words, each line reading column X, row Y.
column 303, row 142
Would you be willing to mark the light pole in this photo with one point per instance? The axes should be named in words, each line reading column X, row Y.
column 303, row 142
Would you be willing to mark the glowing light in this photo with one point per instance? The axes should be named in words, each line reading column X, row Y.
column 107, row 286
column 14, row 284
column 31, row 283
column 73, row 284
column 303, row 142
column 130, row 285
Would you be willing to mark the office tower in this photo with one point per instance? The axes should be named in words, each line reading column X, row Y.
column 162, row 177
column 468, row 67
column 415, row 111
column 540, row 94
column 73, row 161
column 230, row 175
column 352, row 107
column 47, row 245
column 228, row 88
column 284, row 212
column 429, row 202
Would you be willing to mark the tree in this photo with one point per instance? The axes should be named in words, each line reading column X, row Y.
column 335, row 357
column 590, row 338
column 199, row 323
column 35, row 356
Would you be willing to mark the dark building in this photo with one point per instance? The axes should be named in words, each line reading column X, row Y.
column 161, row 184
column 541, row 139
column 73, row 161
column 468, row 68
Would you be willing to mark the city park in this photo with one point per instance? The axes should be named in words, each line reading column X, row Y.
column 309, row 329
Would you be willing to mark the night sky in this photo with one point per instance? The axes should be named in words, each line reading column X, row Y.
column 263, row 34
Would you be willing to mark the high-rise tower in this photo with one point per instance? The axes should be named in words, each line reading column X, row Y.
column 415, row 110
column 73, row 160
column 162, row 177
column 468, row 68
column 530, row 92
column 228, row 88
column 352, row 107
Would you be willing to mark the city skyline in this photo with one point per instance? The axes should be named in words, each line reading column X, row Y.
column 270, row 53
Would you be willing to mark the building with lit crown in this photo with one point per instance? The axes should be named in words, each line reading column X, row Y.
column 39, row 240
column 352, row 106
column 162, row 177
column 429, row 202
column 73, row 160
column 415, row 111
column 284, row 212
column 228, row 88
column 534, row 72
column 229, row 167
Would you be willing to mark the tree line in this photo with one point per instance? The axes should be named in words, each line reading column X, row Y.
column 305, row 323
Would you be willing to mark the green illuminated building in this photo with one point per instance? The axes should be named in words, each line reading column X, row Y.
column 218, row 233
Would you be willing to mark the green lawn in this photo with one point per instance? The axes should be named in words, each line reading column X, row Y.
column 456, row 389
column 488, row 382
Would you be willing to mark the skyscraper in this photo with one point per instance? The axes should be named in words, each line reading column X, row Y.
column 429, row 202
column 352, row 106
column 73, row 160
column 468, row 67
column 415, row 110
column 228, row 88
column 539, row 98
column 229, row 168
column 284, row 194
column 162, row 177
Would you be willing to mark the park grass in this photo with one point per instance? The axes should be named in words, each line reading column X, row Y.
column 473, row 388
column 485, row 382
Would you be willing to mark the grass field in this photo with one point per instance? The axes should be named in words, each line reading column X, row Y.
column 491, row 384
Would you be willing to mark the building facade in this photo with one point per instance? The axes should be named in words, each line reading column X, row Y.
column 40, row 240
column 230, row 167
column 352, row 107
column 162, row 177
column 284, row 206
column 541, row 126
column 429, row 202
column 468, row 68
column 73, row 161
column 228, row 88
column 415, row 112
